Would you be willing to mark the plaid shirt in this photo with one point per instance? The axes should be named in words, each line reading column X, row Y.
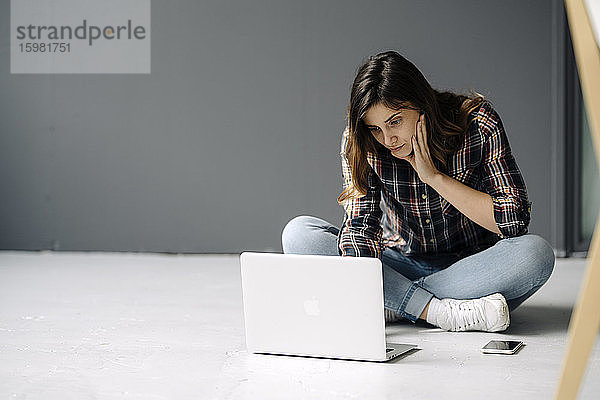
column 399, row 210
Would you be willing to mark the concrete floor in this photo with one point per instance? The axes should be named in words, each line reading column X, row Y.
column 152, row 326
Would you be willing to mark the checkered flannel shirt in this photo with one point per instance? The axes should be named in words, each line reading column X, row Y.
column 399, row 210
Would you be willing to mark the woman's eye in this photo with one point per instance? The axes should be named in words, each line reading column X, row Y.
column 396, row 122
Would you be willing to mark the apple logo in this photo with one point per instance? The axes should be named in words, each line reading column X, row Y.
column 312, row 306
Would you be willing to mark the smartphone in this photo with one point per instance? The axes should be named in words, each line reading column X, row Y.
column 502, row 347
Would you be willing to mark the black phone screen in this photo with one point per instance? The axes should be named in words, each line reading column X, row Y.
column 502, row 344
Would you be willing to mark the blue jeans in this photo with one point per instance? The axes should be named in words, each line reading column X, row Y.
column 515, row 266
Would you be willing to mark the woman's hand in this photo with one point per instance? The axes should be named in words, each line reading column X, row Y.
column 420, row 159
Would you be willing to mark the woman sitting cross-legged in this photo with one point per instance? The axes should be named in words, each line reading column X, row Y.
column 432, row 189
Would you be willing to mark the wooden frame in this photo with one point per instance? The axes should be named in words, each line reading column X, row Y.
column 585, row 320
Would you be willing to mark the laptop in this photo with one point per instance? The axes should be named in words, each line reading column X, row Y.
column 315, row 306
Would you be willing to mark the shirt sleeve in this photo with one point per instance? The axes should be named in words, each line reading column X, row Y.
column 502, row 179
column 361, row 231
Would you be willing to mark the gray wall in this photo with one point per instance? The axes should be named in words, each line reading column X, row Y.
column 237, row 128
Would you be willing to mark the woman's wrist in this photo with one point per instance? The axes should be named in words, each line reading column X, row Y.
column 436, row 179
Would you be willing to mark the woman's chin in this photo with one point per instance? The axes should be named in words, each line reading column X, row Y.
column 402, row 155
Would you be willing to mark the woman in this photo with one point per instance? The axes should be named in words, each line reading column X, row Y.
column 432, row 189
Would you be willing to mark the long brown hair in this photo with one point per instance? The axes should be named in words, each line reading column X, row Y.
column 391, row 80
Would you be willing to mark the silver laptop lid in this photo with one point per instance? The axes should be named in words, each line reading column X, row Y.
column 313, row 305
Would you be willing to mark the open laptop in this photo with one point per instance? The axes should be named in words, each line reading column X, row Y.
column 316, row 306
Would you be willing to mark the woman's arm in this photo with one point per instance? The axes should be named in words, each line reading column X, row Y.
column 361, row 231
column 503, row 208
column 475, row 205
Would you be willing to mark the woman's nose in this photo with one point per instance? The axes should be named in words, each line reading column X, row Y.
column 391, row 140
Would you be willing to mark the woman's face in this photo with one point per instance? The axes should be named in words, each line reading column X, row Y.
column 393, row 129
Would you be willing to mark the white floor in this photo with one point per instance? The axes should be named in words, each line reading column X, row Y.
column 152, row 326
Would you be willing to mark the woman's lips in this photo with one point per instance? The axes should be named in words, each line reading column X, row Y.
column 396, row 148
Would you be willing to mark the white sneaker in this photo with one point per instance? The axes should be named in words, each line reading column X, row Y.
column 489, row 313
column 391, row 316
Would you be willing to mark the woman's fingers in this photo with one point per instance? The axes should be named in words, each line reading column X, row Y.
column 420, row 132
column 424, row 136
column 417, row 147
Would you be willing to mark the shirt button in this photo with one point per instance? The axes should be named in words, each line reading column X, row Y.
column 427, row 220
column 431, row 240
column 424, row 196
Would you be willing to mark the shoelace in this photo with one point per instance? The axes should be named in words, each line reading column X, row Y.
column 466, row 314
